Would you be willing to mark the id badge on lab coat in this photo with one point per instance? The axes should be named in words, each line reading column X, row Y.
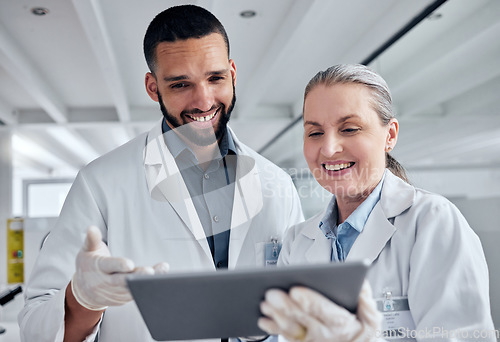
column 397, row 323
column 271, row 252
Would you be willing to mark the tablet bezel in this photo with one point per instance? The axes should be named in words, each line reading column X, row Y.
column 222, row 304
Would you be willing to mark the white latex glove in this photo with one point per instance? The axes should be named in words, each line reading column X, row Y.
column 307, row 316
column 99, row 280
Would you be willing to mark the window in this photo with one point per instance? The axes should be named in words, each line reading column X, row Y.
column 44, row 198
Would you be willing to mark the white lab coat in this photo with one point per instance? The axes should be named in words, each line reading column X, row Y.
column 420, row 247
column 126, row 194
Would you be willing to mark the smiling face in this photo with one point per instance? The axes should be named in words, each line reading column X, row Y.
column 345, row 141
column 194, row 83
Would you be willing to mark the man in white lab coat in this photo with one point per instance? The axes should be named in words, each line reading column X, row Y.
column 187, row 195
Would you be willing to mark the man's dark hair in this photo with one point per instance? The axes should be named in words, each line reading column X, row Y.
column 180, row 23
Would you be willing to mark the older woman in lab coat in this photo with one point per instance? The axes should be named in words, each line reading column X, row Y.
column 428, row 275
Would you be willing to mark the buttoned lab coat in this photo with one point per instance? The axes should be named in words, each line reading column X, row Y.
column 128, row 195
column 420, row 247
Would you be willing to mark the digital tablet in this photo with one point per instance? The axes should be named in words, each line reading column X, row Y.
column 226, row 303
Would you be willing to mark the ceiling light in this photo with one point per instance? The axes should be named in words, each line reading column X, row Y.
column 40, row 11
column 248, row 14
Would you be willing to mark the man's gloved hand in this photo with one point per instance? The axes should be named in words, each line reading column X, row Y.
column 307, row 316
column 99, row 280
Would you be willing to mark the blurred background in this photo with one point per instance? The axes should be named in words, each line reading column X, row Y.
column 72, row 89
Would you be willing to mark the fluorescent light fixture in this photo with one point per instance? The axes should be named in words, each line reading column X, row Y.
column 74, row 143
column 35, row 152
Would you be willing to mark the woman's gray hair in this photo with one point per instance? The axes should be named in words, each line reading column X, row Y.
column 381, row 96
column 358, row 74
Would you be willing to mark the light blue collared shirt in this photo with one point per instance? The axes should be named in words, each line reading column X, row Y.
column 344, row 235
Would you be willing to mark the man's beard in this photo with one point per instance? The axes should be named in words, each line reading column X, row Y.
column 200, row 137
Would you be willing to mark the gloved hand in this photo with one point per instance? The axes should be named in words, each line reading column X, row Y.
column 99, row 280
column 307, row 316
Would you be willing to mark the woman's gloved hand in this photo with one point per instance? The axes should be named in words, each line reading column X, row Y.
column 99, row 280
column 307, row 316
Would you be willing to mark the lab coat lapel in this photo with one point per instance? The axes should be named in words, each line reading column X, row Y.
column 247, row 203
column 320, row 251
column 377, row 231
column 169, row 185
column 396, row 197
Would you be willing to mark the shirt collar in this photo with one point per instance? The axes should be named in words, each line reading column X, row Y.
column 358, row 217
column 329, row 221
column 176, row 146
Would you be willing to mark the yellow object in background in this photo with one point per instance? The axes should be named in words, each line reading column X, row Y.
column 15, row 251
